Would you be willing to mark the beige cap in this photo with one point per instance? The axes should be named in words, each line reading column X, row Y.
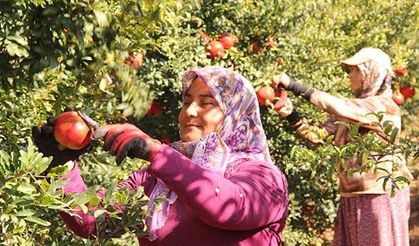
column 367, row 54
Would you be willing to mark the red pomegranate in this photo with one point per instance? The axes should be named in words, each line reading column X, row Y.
column 265, row 95
column 71, row 131
column 398, row 97
column 228, row 40
column 407, row 91
column 214, row 49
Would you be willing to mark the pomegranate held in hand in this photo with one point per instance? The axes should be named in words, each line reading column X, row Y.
column 265, row 94
column 71, row 131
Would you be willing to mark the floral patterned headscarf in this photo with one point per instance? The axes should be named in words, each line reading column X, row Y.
column 241, row 131
column 240, row 136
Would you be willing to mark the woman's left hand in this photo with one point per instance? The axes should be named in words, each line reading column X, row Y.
column 44, row 139
column 285, row 110
column 124, row 140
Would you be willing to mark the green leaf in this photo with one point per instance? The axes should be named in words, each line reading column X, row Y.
column 47, row 200
column 109, row 194
column 16, row 50
column 99, row 212
column 386, row 179
column 26, row 188
column 387, row 129
column 4, row 157
column 393, row 191
column 43, row 165
column 19, row 229
column 402, row 179
column 84, row 208
column 394, row 134
column 87, row 58
column 9, row 208
column 359, row 158
column 61, row 170
column 56, row 184
column 24, row 201
column 24, row 159
column 37, row 221
column 101, row 18
column 18, row 39
column 43, row 183
column 329, row 139
column 103, row 84
column 313, row 173
column 94, row 200
column 25, row 213
column 86, row 196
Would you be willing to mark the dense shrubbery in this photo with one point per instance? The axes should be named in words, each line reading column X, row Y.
column 55, row 54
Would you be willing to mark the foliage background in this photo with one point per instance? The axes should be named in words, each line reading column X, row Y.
column 55, row 54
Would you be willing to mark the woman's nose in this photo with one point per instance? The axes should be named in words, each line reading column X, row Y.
column 192, row 110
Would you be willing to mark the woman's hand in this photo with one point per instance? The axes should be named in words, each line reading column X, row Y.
column 124, row 140
column 43, row 137
column 285, row 110
column 281, row 80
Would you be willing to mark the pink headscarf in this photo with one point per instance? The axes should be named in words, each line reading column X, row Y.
column 241, row 135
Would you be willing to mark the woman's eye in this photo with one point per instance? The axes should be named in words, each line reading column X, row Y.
column 208, row 103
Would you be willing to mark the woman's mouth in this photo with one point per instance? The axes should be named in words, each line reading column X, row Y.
column 190, row 125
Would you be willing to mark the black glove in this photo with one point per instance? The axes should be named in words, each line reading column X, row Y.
column 44, row 139
column 300, row 89
column 124, row 140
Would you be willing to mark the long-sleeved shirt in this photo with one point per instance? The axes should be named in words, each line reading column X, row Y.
column 357, row 110
column 246, row 206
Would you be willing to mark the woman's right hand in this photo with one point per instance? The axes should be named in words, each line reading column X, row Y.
column 281, row 80
column 124, row 140
column 43, row 137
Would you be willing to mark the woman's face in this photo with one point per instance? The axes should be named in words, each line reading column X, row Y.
column 356, row 78
column 200, row 114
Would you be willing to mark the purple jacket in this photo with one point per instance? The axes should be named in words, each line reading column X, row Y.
column 248, row 207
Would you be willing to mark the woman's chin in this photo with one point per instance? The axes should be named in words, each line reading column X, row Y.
column 189, row 137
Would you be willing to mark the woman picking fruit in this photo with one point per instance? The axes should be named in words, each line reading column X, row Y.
column 367, row 215
column 221, row 185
